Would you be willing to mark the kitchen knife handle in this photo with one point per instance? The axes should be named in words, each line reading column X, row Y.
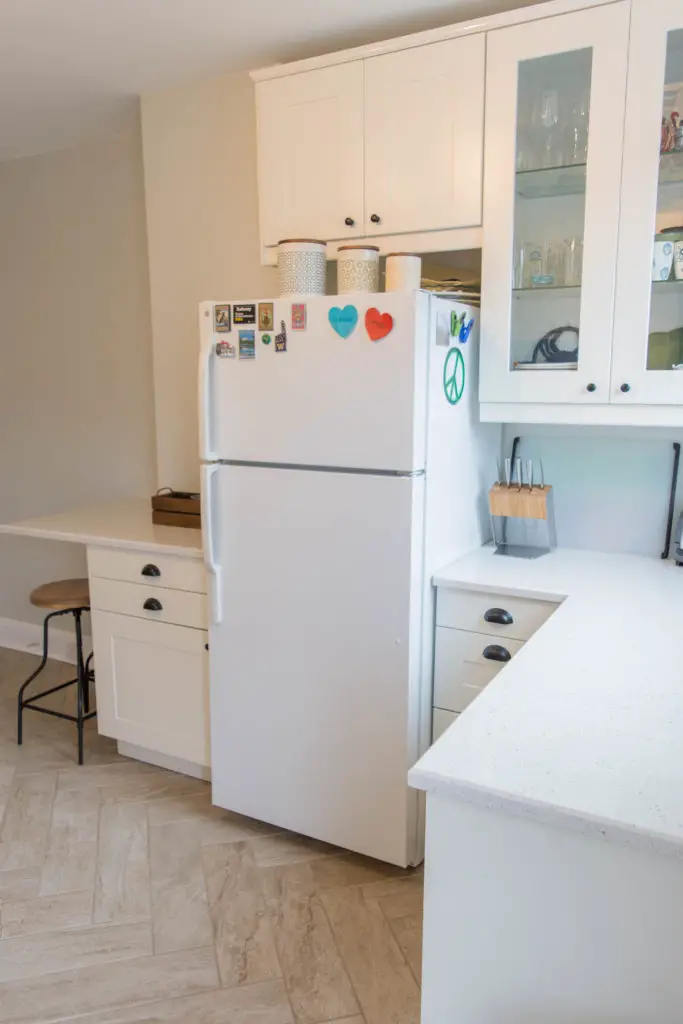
column 152, row 604
column 150, row 570
column 494, row 652
column 500, row 616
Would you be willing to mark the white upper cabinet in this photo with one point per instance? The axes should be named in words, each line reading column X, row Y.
column 424, row 126
column 310, row 154
column 555, row 100
column 647, row 366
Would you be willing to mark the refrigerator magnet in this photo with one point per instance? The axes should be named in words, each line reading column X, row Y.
column 266, row 316
column 221, row 318
column 281, row 338
column 343, row 321
column 224, row 350
column 466, row 329
column 377, row 324
column 454, row 376
column 244, row 313
column 247, row 341
column 457, row 323
column 266, row 339
column 298, row 316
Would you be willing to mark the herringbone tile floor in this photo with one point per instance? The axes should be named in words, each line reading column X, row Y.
column 126, row 897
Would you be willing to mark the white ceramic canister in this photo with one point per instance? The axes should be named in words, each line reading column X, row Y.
column 357, row 268
column 302, row 264
column 403, row 272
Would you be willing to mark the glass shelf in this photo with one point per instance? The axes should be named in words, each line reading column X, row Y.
column 569, row 290
column 565, row 290
column 666, row 287
column 549, row 182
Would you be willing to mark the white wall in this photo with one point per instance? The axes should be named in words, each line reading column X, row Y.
column 202, row 223
column 76, row 398
column 611, row 484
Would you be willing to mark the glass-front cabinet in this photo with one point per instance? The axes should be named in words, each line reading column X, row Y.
column 555, row 106
column 647, row 362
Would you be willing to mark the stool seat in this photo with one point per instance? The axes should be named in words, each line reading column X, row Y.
column 62, row 595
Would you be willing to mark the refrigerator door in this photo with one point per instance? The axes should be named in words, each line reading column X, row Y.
column 315, row 666
column 322, row 399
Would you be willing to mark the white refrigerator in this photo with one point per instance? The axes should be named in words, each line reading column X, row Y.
column 343, row 463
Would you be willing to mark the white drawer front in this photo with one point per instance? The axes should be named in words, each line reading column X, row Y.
column 181, row 607
column 440, row 721
column 148, row 567
column 468, row 609
column 461, row 668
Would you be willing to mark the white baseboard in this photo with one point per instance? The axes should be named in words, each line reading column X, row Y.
column 28, row 636
column 173, row 764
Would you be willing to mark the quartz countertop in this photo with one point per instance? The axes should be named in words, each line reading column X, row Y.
column 584, row 727
column 122, row 524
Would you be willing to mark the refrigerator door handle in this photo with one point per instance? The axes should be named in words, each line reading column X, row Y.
column 208, row 542
column 204, row 398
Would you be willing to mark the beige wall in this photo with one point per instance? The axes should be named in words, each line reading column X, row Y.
column 76, row 398
column 202, row 222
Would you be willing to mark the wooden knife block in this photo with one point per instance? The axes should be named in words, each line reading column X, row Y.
column 519, row 504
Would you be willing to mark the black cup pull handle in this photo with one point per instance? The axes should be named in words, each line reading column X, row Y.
column 494, row 652
column 153, row 605
column 150, row 570
column 499, row 616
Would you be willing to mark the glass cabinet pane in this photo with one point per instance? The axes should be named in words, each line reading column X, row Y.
column 665, row 341
column 552, row 139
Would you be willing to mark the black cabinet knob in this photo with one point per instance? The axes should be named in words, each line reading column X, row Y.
column 206, row 647
column 625, row 388
column 499, row 616
column 152, row 605
column 494, row 652
column 151, row 570
column 349, row 221
column 375, row 218
column 591, row 387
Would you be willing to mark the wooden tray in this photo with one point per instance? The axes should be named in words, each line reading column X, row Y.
column 174, row 510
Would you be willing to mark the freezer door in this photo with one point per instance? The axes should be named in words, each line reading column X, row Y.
column 317, row 398
column 315, row 666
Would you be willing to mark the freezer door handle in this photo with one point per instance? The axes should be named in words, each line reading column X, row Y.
column 204, row 382
column 209, row 541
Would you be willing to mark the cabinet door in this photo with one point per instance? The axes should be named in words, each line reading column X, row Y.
column 310, row 154
column 648, row 339
column 424, row 133
column 152, row 685
column 555, row 95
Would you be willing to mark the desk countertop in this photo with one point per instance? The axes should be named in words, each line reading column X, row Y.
column 584, row 727
column 123, row 524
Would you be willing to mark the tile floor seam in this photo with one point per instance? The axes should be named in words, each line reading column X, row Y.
column 418, row 981
column 341, row 958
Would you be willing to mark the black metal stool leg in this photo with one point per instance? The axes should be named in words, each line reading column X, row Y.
column 20, row 696
column 81, row 683
column 88, row 672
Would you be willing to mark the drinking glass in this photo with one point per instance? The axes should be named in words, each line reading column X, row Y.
column 550, row 119
column 576, row 133
column 573, row 261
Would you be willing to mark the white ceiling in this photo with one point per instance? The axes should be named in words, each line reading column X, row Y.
column 69, row 68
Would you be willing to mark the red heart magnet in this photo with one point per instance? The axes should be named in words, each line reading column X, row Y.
column 378, row 324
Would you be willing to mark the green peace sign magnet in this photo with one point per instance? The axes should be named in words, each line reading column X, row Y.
column 454, row 376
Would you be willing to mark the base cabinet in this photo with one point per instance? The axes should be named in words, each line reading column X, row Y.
column 152, row 685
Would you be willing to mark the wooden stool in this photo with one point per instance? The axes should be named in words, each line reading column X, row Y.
column 64, row 597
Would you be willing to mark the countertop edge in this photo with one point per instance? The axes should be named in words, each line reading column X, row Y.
column 95, row 540
column 579, row 822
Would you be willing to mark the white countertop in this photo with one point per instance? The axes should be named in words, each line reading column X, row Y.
column 584, row 727
column 122, row 524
